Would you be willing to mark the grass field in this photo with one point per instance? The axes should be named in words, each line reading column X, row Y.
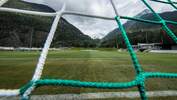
column 17, row 68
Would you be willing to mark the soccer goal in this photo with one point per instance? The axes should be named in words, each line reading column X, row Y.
column 141, row 75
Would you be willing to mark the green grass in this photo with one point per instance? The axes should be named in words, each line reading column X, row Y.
column 17, row 68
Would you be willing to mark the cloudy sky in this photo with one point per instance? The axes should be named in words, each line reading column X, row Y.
column 98, row 28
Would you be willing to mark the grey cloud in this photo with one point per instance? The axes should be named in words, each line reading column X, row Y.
column 96, row 27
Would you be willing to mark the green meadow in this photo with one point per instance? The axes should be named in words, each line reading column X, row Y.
column 101, row 65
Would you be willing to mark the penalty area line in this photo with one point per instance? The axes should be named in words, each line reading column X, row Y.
column 104, row 95
column 99, row 95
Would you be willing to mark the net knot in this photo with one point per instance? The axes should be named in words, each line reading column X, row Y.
column 140, row 78
column 163, row 22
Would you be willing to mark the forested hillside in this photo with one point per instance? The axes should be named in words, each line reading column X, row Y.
column 20, row 30
column 139, row 32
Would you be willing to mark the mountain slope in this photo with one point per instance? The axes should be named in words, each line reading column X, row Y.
column 26, row 30
column 139, row 32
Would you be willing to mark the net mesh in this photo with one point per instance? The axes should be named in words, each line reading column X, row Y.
column 141, row 75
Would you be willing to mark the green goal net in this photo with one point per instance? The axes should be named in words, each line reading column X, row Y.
column 141, row 75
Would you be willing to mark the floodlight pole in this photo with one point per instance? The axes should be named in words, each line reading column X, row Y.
column 31, row 39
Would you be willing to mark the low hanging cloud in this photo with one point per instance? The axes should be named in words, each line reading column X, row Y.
column 98, row 28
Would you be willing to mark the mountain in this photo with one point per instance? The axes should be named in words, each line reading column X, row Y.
column 127, row 25
column 139, row 32
column 131, row 23
column 20, row 30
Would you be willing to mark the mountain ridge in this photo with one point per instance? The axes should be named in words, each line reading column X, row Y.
column 136, row 31
column 17, row 30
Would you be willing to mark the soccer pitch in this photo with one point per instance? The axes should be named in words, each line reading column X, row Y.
column 17, row 68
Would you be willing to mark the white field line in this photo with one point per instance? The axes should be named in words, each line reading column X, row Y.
column 104, row 95
column 163, row 51
column 100, row 95
column 3, row 2
column 9, row 92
